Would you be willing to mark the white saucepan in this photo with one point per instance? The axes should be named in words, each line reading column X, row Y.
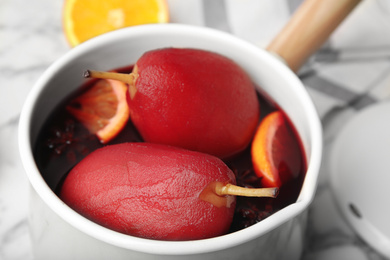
column 58, row 232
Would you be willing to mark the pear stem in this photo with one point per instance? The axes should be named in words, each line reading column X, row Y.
column 230, row 189
column 126, row 78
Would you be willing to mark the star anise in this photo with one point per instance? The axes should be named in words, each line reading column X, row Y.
column 63, row 140
column 247, row 178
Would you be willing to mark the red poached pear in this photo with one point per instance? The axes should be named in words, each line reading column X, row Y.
column 151, row 191
column 194, row 99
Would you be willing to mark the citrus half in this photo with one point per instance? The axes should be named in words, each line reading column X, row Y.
column 275, row 151
column 102, row 109
column 85, row 19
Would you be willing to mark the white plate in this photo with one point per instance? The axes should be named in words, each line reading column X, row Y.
column 360, row 174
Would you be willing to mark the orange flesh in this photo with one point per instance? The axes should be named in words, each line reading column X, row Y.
column 263, row 149
column 85, row 19
column 103, row 109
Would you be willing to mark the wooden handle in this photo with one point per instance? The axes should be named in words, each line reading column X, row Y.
column 309, row 28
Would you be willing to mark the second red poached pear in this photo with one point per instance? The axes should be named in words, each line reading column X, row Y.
column 151, row 191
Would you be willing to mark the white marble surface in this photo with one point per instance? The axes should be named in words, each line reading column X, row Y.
column 352, row 71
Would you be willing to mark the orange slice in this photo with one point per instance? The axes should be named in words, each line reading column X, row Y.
column 275, row 151
column 85, row 19
column 102, row 109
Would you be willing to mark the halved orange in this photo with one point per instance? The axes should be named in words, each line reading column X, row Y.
column 275, row 151
column 102, row 109
column 85, row 19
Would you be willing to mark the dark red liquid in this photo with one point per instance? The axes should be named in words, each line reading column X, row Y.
column 63, row 142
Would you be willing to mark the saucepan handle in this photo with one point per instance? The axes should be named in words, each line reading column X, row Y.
column 308, row 29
